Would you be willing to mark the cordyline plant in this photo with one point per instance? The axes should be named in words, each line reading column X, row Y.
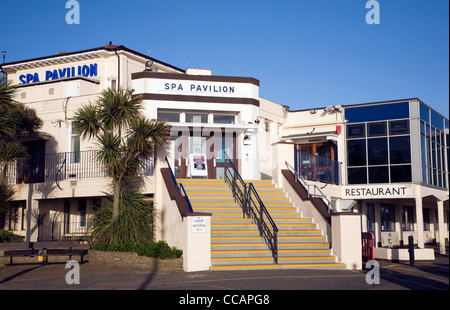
column 16, row 120
column 125, row 138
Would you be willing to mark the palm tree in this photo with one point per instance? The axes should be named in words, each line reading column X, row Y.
column 15, row 119
column 124, row 136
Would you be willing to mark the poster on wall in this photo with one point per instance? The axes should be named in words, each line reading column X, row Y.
column 198, row 165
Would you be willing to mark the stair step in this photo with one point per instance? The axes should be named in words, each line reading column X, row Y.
column 236, row 243
column 329, row 266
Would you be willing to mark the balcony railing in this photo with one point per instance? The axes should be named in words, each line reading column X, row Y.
column 63, row 166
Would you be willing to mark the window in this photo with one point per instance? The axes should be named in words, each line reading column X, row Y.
column 399, row 127
column 267, row 126
column 113, row 84
column 356, row 131
column 387, row 215
column 356, row 152
column 196, row 118
column 408, row 218
column 376, row 129
column 377, row 150
column 377, row 112
column 433, row 149
column 169, row 117
column 400, row 150
column 74, row 146
column 357, row 175
column 424, row 113
column 379, row 174
column 426, row 219
column 370, row 214
column 223, row 119
column 401, row 174
column 82, row 212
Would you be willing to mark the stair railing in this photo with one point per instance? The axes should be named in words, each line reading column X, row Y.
column 316, row 191
column 252, row 206
column 180, row 189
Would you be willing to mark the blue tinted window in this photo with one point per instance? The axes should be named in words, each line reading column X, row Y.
column 446, row 123
column 377, row 150
column 356, row 131
column 379, row 174
column 400, row 150
column 437, row 121
column 377, row 112
column 356, row 152
column 357, row 176
column 424, row 113
column 401, row 174
column 399, row 127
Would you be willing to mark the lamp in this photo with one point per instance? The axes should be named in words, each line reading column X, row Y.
column 4, row 56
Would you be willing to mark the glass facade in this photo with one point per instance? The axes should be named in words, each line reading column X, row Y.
column 434, row 147
column 379, row 144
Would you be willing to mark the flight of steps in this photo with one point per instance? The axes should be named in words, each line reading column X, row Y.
column 235, row 240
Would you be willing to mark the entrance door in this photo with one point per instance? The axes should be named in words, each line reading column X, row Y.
column 318, row 162
column 208, row 144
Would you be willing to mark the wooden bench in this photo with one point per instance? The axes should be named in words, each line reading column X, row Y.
column 53, row 248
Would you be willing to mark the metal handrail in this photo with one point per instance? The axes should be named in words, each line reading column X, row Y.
column 271, row 236
column 180, row 188
column 256, row 210
column 331, row 207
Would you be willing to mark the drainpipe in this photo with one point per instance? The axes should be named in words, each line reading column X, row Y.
column 118, row 69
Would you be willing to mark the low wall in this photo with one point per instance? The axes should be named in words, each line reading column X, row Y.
column 105, row 258
column 403, row 254
column 124, row 259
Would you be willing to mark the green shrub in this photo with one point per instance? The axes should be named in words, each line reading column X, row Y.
column 158, row 249
column 7, row 236
column 133, row 225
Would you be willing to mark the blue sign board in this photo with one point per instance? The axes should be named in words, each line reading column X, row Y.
column 51, row 75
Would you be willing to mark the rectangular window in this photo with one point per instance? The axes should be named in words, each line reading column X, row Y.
column 370, row 214
column 223, row 119
column 408, row 218
column 196, row 118
column 74, row 146
column 387, row 216
column 356, row 131
column 356, row 152
column 377, row 150
column 82, row 212
column 379, row 174
column 426, row 219
column 357, row 175
column 399, row 127
column 169, row 117
column 424, row 113
column 400, row 150
column 401, row 174
column 376, row 129
column 377, row 112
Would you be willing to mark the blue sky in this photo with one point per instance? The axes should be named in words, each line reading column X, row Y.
column 306, row 53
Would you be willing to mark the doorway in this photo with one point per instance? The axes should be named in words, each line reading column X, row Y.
column 214, row 144
column 318, row 161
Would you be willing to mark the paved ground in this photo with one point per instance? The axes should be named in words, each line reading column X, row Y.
column 393, row 276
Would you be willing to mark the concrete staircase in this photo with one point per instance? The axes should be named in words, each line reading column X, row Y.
column 235, row 240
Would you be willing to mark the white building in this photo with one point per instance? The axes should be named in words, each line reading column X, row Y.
column 398, row 180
